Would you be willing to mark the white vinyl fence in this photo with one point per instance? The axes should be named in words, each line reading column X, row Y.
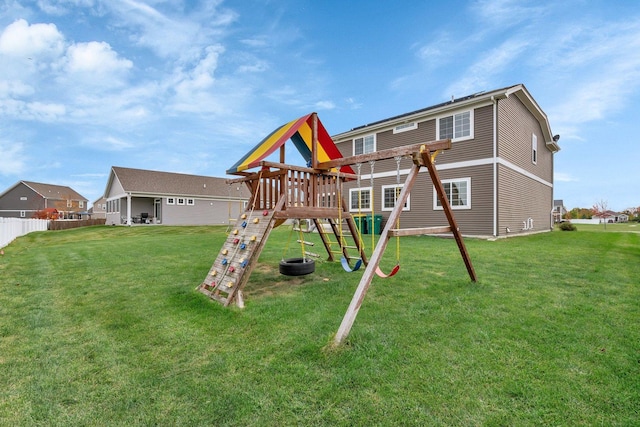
column 11, row 228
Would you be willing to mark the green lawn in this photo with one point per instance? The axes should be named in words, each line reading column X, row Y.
column 103, row 326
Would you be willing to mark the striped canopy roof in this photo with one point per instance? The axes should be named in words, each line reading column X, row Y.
column 300, row 132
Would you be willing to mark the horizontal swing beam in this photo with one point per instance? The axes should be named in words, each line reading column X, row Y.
column 440, row 144
column 399, row 232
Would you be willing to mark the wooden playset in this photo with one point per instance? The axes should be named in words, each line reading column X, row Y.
column 281, row 191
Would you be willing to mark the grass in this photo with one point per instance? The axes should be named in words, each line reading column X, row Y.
column 103, row 326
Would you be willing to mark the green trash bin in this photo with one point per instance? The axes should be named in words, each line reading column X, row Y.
column 375, row 225
column 361, row 223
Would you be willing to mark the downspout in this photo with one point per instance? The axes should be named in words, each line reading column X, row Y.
column 495, row 166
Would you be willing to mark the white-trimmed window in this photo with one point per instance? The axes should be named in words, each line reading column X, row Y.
column 390, row 194
column 180, row 200
column 458, row 126
column 534, row 148
column 404, row 127
column 81, row 204
column 171, row 200
column 364, row 202
column 364, row 145
column 191, row 202
column 458, row 192
column 23, row 214
column 69, row 203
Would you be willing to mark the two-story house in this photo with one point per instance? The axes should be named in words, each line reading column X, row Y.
column 498, row 175
column 26, row 199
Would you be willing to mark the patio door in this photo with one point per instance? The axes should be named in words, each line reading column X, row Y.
column 157, row 210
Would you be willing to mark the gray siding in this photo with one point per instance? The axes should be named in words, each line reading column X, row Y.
column 11, row 204
column 519, row 198
column 516, row 125
column 480, row 147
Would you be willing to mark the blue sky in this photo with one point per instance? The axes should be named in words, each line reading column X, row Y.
column 191, row 86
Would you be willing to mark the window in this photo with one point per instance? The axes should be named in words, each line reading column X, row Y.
column 81, row 204
column 364, row 145
column 364, row 204
column 181, row 200
column 458, row 192
column 23, row 214
column 171, row 200
column 405, row 127
column 534, row 149
column 457, row 127
column 23, row 198
column 390, row 194
column 191, row 202
column 69, row 203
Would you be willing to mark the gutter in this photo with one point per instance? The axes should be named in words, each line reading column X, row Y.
column 495, row 166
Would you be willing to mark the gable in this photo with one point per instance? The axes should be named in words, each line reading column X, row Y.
column 300, row 131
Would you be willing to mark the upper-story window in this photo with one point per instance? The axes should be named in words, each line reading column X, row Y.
column 360, row 199
column 457, row 127
column 81, row 204
column 534, row 149
column 364, row 145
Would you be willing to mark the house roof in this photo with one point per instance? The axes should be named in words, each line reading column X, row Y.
column 50, row 191
column 300, row 131
column 519, row 90
column 141, row 181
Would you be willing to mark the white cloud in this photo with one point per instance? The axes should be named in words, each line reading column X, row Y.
column 506, row 13
column 564, row 177
column 13, row 161
column 95, row 58
column 22, row 40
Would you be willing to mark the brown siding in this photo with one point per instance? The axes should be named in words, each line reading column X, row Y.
column 516, row 126
column 520, row 198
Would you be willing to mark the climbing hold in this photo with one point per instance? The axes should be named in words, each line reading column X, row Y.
column 225, row 261
column 243, row 216
column 214, row 272
column 256, row 220
column 244, row 263
column 243, row 246
column 230, row 285
column 265, row 212
column 253, row 238
column 244, row 224
column 224, row 252
column 235, row 231
column 236, row 241
column 232, row 269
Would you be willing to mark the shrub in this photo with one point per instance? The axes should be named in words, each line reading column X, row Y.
column 567, row 226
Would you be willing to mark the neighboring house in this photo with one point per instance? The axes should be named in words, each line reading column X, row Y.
column 137, row 196
column 498, row 174
column 559, row 210
column 611, row 216
column 26, row 199
column 99, row 209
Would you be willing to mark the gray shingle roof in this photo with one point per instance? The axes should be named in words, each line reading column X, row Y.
column 54, row 192
column 156, row 182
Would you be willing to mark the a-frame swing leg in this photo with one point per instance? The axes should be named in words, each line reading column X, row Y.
column 444, row 201
column 369, row 272
column 365, row 281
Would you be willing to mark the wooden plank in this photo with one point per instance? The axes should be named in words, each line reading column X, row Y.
column 304, row 212
column 374, row 261
column 399, row 232
column 441, row 144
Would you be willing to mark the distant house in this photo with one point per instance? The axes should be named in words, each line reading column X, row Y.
column 137, row 196
column 611, row 217
column 498, row 175
column 26, row 199
column 559, row 210
column 98, row 209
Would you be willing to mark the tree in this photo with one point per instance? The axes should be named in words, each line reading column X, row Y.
column 600, row 210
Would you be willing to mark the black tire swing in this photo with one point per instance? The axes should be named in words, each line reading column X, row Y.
column 300, row 266
column 297, row 266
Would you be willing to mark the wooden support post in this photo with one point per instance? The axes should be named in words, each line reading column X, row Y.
column 444, row 201
column 367, row 276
